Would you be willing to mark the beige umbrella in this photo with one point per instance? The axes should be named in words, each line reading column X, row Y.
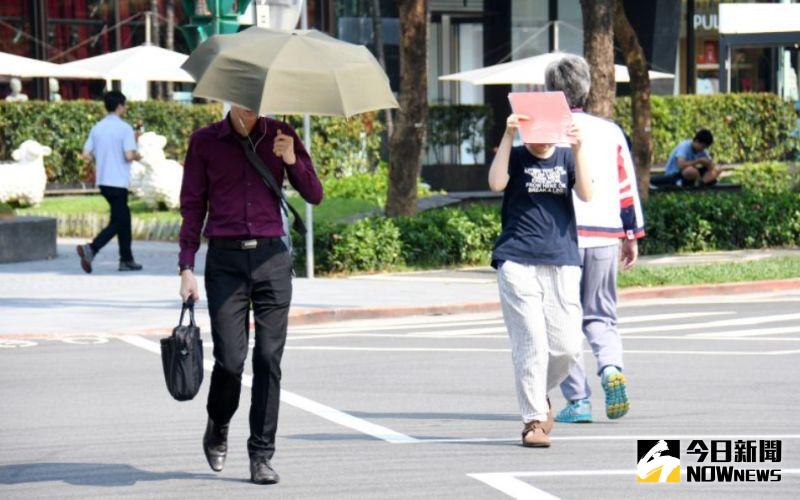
column 290, row 72
column 145, row 62
column 529, row 71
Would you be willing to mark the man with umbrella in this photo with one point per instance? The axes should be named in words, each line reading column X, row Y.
column 248, row 265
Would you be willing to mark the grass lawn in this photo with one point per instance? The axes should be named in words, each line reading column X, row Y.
column 331, row 209
column 727, row 272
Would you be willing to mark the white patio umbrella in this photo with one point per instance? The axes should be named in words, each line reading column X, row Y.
column 145, row 62
column 25, row 67
column 528, row 71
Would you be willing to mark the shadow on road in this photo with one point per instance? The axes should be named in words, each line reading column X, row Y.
column 88, row 474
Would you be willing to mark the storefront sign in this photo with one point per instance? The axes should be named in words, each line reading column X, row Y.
column 708, row 22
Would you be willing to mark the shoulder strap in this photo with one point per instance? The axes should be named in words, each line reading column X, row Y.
column 272, row 184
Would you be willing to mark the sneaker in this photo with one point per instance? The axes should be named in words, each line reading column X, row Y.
column 86, row 254
column 615, row 387
column 576, row 412
column 129, row 265
column 534, row 435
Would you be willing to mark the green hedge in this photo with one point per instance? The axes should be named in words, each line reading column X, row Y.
column 65, row 125
column 339, row 147
column 746, row 127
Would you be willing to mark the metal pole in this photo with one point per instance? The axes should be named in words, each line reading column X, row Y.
column 307, row 142
column 147, row 26
column 691, row 50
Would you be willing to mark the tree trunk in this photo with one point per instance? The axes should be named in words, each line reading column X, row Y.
column 640, row 98
column 377, row 40
column 405, row 145
column 598, row 48
column 156, row 24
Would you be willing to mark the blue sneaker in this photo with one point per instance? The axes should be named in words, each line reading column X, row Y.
column 576, row 412
column 614, row 385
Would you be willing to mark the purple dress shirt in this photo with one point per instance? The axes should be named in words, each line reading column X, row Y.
column 219, row 180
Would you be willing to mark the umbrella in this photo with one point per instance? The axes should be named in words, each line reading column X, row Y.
column 290, row 72
column 25, row 67
column 529, row 71
column 145, row 62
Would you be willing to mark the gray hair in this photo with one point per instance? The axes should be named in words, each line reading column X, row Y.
column 570, row 75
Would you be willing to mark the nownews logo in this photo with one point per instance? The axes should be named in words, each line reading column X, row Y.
column 659, row 461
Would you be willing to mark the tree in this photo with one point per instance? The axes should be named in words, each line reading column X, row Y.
column 598, row 48
column 636, row 62
column 405, row 144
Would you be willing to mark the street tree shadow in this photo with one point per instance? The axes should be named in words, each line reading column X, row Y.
column 88, row 474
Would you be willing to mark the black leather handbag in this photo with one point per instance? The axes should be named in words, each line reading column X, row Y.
column 182, row 357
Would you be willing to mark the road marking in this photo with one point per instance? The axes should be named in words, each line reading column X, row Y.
column 86, row 340
column 510, row 484
column 749, row 333
column 752, row 320
column 608, row 438
column 298, row 401
column 477, row 349
column 13, row 344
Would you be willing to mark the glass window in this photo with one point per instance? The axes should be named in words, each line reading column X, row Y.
column 529, row 33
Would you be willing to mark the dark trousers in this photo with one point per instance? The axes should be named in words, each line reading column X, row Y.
column 119, row 225
column 234, row 280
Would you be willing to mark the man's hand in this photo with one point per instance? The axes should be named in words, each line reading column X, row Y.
column 87, row 156
column 283, row 147
column 189, row 286
column 629, row 253
column 575, row 132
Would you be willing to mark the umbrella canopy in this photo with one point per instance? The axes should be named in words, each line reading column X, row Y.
column 529, row 71
column 25, row 67
column 145, row 62
column 290, row 72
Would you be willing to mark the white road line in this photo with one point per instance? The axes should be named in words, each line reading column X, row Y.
column 477, row 349
column 609, row 438
column 752, row 320
column 303, row 403
column 513, row 487
column 749, row 333
column 510, row 484
column 496, row 321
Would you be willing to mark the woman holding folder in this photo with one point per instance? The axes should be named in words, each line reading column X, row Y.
column 537, row 261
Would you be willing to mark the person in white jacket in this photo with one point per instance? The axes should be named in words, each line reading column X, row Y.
column 613, row 214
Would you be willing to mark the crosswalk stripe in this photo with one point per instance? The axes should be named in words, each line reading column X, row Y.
column 751, row 320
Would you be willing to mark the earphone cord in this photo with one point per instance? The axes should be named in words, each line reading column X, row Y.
column 264, row 134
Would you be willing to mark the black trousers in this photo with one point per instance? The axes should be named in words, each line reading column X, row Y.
column 119, row 225
column 234, row 280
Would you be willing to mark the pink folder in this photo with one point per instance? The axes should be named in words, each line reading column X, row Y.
column 550, row 117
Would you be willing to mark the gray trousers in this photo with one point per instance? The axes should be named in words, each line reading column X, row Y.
column 542, row 312
column 599, row 301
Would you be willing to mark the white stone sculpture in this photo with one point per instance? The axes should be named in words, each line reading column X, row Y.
column 155, row 179
column 16, row 94
column 22, row 182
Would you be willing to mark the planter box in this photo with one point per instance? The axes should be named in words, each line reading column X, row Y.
column 455, row 178
column 27, row 238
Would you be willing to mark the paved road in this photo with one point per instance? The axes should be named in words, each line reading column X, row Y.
column 405, row 408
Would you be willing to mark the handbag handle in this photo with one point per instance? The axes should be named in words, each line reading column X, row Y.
column 189, row 304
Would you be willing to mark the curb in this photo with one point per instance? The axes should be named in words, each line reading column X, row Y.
column 301, row 317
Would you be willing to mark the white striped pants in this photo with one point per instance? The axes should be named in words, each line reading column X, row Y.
column 543, row 315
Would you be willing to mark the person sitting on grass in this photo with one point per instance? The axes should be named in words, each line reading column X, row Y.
column 690, row 162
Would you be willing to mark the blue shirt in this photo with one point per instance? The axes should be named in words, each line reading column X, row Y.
column 108, row 140
column 538, row 215
column 686, row 151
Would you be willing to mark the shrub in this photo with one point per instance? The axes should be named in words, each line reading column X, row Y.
column 343, row 147
column 339, row 147
column 367, row 186
column 768, row 177
column 746, row 127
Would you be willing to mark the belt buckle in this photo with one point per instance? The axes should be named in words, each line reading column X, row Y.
column 249, row 244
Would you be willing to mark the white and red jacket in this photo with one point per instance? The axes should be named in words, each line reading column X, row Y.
column 615, row 210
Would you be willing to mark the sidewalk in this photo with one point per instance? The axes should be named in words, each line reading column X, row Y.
column 57, row 298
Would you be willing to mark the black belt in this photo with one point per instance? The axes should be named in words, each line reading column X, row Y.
column 234, row 244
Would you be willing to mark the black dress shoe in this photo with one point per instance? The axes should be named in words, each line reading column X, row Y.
column 261, row 472
column 215, row 445
column 129, row 265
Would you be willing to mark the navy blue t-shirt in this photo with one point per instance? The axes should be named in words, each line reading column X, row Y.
column 538, row 215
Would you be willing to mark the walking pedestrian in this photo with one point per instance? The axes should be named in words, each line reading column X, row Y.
column 247, row 265
column 613, row 213
column 538, row 267
column 112, row 146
